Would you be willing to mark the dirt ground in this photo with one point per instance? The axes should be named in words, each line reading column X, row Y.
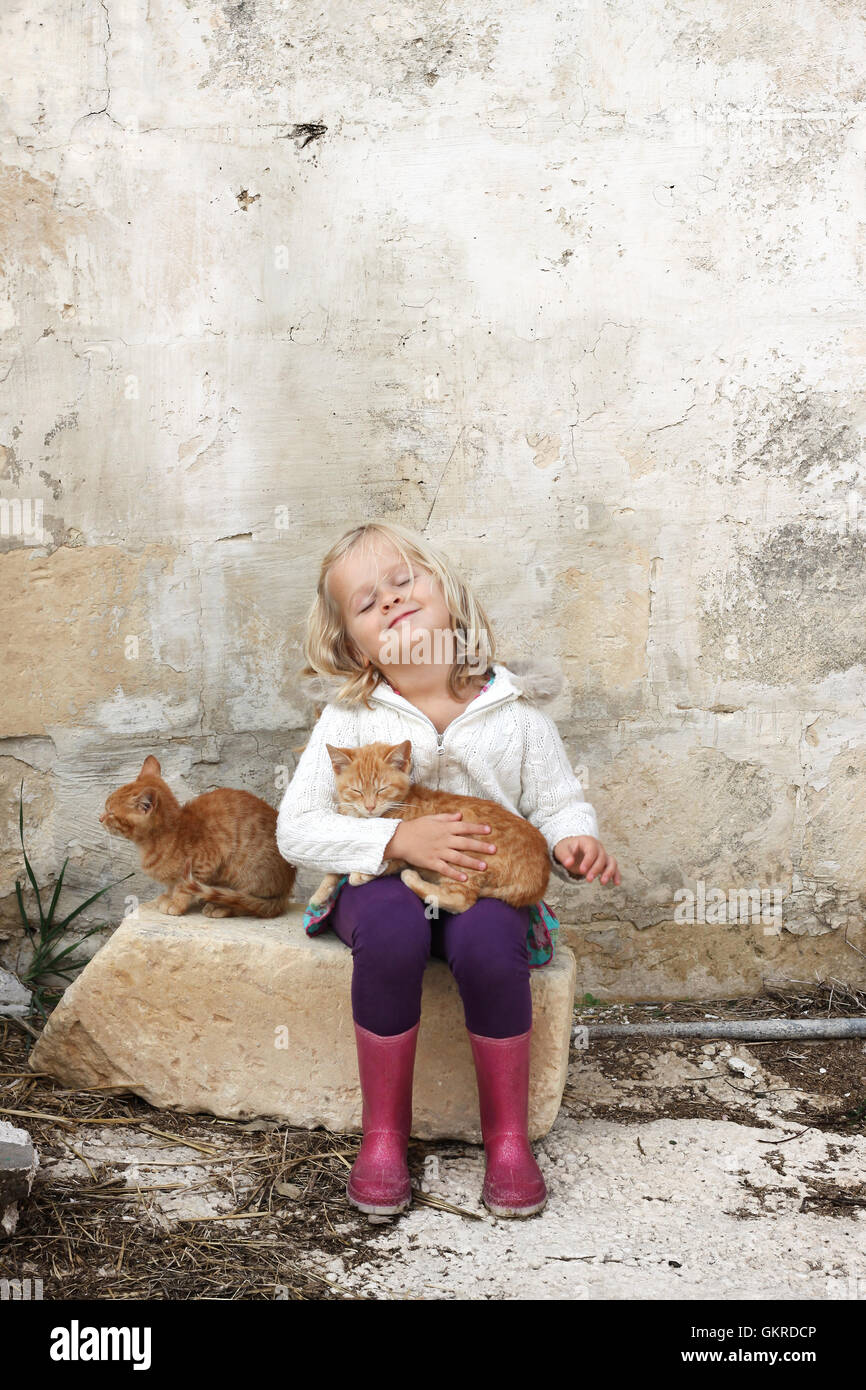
column 679, row 1170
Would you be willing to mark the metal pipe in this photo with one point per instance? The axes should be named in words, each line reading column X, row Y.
column 754, row 1029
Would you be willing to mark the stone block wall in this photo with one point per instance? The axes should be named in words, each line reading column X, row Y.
column 577, row 291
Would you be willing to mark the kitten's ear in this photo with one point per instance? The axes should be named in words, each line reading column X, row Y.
column 340, row 757
column 399, row 754
column 147, row 800
column 150, row 767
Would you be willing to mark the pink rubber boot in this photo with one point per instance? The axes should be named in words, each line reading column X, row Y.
column 513, row 1182
column 379, row 1181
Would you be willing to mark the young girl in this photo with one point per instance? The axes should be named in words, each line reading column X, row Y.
column 412, row 650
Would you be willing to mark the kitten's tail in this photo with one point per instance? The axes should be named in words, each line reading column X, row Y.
column 244, row 904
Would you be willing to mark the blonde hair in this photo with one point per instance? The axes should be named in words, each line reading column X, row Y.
column 329, row 651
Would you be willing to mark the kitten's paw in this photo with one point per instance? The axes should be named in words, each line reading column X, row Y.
column 324, row 890
column 214, row 910
column 162, row 902
column 355, row 878
column 174, row 911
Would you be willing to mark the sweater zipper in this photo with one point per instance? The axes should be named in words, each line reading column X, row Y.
column 440, row 738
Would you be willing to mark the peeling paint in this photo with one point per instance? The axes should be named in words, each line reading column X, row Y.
column 790, row 613
column 575, row 291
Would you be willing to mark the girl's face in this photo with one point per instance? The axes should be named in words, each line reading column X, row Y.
column 377, row 597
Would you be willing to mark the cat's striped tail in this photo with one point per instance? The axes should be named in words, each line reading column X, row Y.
column 241, row 904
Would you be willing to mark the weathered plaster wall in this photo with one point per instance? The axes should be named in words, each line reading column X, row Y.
column 578, row 290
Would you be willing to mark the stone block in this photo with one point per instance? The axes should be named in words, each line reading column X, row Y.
column 15, row 998
column 241, row 1018
column 18, row 1164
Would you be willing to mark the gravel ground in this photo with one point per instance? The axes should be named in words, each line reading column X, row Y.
column 676, row 1170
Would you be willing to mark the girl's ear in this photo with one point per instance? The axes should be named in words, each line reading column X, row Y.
column 355, row 651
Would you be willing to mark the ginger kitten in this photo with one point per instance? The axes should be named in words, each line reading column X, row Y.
column 219, row 848
column 377, row 773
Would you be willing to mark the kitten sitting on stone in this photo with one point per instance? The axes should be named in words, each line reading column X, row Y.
column 377, row 773
column 219, row 848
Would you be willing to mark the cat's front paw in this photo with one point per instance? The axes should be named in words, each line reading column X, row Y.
column 324, row 890
column 162, row 902
column 174, row 911
column 355, row 878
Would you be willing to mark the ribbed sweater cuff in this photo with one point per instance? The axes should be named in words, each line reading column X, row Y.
column 361, row 852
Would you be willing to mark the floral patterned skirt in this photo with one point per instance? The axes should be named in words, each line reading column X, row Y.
column 540, row 938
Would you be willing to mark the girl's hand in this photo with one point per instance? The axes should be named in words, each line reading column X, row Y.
column 441, row 843
column 580, row 853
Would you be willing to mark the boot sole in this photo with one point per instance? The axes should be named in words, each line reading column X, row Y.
column 515, row 1212
column 379, row 1208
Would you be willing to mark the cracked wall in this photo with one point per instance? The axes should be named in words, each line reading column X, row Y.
column 576, row 291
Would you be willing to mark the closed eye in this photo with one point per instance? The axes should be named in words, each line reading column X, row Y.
column 370, row 604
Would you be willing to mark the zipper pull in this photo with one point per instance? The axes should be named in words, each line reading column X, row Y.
column 439, row 738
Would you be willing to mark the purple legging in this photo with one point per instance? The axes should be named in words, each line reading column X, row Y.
column 391, row 938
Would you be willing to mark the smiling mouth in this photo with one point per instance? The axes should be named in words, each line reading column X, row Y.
column 400, row 616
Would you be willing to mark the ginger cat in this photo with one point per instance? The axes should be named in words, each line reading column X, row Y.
column 226, row 837
column 517, row 873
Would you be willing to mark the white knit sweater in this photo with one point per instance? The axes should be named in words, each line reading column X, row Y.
column 501, row 747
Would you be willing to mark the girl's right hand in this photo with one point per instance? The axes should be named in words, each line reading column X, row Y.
column 440, row 843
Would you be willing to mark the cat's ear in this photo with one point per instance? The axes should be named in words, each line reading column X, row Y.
column 340, row 757
column 147, row 800
column 150, row 767
column 398, row 755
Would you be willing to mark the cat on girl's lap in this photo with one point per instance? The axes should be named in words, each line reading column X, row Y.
column 373, row 780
